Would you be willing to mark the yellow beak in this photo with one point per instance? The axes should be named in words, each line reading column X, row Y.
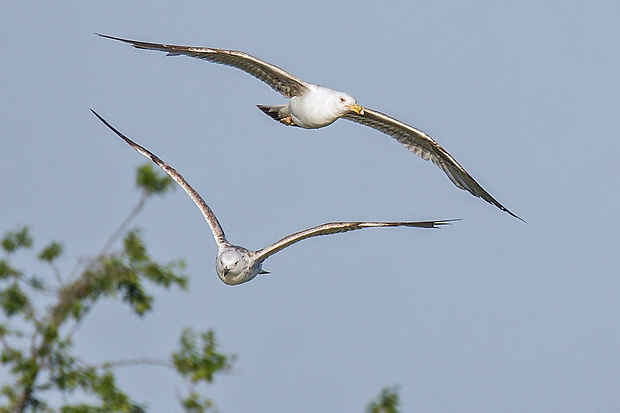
column 357, row 109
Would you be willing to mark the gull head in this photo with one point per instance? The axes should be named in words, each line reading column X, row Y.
column 233, row 266
column 346, row 103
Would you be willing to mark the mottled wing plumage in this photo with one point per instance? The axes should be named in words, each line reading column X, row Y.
column 425, row 147
column 280, row 80
column 337, row 227
column 216, row 228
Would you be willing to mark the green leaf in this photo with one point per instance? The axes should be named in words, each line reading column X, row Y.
column 9, row 392
column 7, row 271
column 112, row 398
column 124, row 273
column 50, row 333
column 165, row 275
column 10, row 356
column 200, row 364
column 387, row 402
column 17, row 239
column 152, row 181
column 51, row 252
column 12, row 300
column 134, row 247
column 126, row 280
column 194, row 403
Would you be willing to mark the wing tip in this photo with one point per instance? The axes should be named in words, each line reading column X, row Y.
column 135, row 43
column 514, row 215
column 107, row 36
column 437, row 224
column 503, row 208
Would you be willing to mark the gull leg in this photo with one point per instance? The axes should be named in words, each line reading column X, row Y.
column 288, row 121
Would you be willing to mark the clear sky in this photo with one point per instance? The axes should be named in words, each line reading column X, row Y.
column 489, row 314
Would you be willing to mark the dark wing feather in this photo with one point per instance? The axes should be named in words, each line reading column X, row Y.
column 337, row 227
column 425, row 147
column 281, row 81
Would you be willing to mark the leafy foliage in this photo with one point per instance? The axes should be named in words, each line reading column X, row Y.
column 37, row 340
column 16, row 240
column 194, row 403
column 13, row 300
column 37, row 346
column 200, row 362
column 124, row 274
column 387, row 401
column 51, row 252
column 151, row 181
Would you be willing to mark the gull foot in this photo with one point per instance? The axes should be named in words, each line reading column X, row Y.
column 288, row 121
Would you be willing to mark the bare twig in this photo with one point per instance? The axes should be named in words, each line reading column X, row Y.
column 124, row 224
column 57, row 273
column 121, row 228
column 143, row 361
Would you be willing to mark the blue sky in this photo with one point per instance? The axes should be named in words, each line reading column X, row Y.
column 486, row 315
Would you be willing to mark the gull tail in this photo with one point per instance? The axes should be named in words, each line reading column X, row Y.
column 279, row 113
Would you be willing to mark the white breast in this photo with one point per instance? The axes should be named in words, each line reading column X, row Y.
column 315, row 108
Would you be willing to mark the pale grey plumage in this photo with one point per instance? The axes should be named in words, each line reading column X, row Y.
column 236, row 264
column 301, row 93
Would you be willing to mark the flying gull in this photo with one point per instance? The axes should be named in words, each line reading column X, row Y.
column 235, row 264
column 312, row 106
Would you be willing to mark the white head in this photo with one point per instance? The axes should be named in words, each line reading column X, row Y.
column 230, row 264
column 346, row 103
column 235, row 266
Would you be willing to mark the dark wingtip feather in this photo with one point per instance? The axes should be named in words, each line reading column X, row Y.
column 111, row 37
column 510, row 213
column 440, row 223
column 273, row 114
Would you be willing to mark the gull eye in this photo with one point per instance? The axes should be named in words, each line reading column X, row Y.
column 343, row 100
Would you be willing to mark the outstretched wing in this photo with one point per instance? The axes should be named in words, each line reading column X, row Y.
column 216, row 228
column 279, row 80
column 425, row 147
column 336, row 227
